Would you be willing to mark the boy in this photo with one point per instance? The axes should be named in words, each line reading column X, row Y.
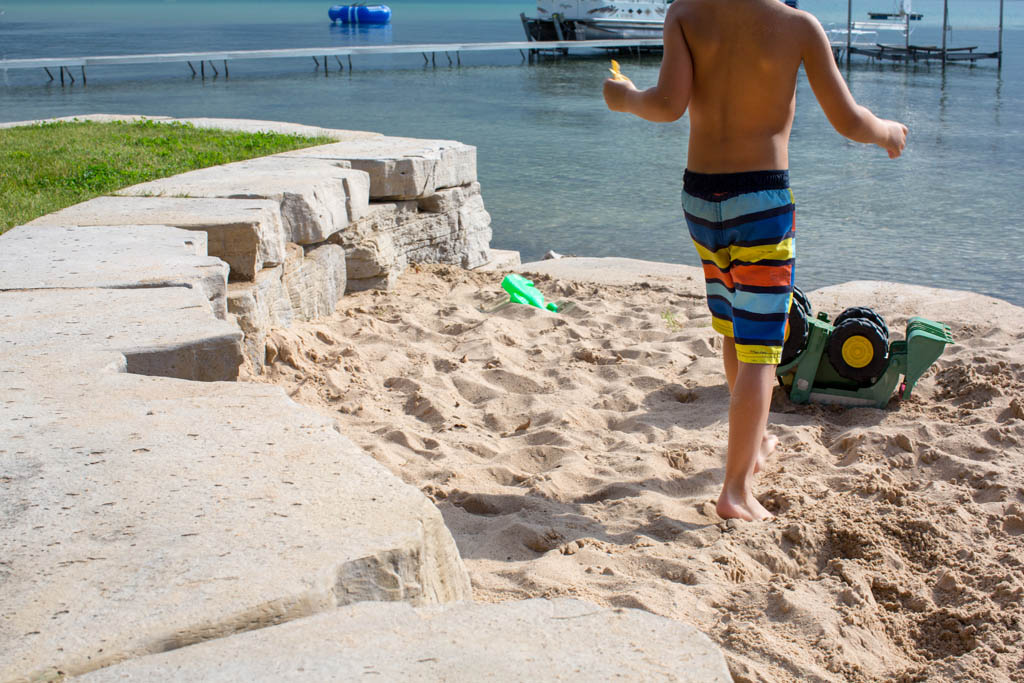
column 734, row 63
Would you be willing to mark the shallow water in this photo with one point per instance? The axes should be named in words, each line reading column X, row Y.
column 561, row 172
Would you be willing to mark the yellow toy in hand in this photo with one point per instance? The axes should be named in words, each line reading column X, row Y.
column 616, row 74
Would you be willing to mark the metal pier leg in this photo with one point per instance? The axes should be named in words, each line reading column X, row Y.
column 449, row 57
column 226, row 74
column 325, row 66
column 202, row 69
column 425, row 60
column 48, row 73
column 70, row 75
column 341, row 67
column 62, row 77
column 84, row 82
column 458, row 58
column 433, row 59
column 193, row 69
column 350, row 63
column 317, row 62
column 215, row 72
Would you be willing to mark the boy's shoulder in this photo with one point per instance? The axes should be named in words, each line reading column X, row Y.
column 710, row 21
column 771, row 10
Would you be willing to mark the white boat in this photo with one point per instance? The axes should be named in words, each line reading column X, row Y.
column 597, row 19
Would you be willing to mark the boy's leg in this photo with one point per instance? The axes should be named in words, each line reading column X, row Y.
column 748, row 413
column 742, row 226
column 731, row 363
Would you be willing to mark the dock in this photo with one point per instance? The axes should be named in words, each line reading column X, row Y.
column 320, row 55
column 908, row 52
column 922, row 53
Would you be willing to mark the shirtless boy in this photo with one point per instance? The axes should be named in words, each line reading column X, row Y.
column 734, row 63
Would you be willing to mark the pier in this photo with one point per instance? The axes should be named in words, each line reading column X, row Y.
column 320, row 55
column 909, row 52
column 843, row 47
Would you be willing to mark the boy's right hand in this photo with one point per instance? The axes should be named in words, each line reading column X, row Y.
column 616, row 92
column 896, row 138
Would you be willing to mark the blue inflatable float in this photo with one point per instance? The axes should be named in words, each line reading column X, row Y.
column 360, row 14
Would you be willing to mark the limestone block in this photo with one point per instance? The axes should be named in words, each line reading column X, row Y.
column 143, row 514
column 166, row 331
column 377, row 260
column 402, row 168
column 111, row 257
column 394, row 234
column 501, row 260
column 530, row 640
column 474, row 237
column 433, row 238
column 314, row 280
column 306, row 287
column 370, row 250
column 448, row 199
column 258, row 307
column 247, row 234
column 316, row 197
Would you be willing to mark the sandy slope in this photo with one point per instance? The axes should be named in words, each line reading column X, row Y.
column 580, row 454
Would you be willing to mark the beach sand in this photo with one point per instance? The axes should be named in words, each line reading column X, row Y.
column 581, row 453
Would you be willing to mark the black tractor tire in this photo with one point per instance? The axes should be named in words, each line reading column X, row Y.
column 801, row 300
column 859, row 350
column 864, row 313
column 798, row 331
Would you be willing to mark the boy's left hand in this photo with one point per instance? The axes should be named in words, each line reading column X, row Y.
column 616, row 93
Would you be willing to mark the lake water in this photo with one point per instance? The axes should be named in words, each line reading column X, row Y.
column 558, row 170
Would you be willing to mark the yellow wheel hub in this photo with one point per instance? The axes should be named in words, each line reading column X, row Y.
column 858, row 351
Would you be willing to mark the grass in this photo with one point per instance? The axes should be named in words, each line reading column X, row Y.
column 671, row 322
column 50, row 166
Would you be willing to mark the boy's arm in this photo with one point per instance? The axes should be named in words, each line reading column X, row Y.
column 667, row 101
column 846, row 116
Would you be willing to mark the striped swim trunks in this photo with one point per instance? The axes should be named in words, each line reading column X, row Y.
column 743, row 225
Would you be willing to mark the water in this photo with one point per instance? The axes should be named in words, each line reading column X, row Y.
column 558, row 170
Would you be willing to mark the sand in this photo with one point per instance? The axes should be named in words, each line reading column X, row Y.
column 580, row 454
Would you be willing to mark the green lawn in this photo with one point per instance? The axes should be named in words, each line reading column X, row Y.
column 47, row 167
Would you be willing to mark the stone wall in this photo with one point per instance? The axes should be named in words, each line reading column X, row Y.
column 299, row 229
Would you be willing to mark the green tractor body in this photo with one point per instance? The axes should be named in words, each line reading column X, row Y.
column 812, row 375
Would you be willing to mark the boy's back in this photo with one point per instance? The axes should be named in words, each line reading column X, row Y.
column 746, row 54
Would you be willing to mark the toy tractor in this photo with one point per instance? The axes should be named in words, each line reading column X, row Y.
column 850, row 360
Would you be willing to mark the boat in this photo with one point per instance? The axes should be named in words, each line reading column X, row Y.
column 596, row 19
column 360, row 14
column 900, row 13
column 914, row 16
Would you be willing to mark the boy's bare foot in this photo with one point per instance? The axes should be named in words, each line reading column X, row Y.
column 768, row 445
column 741, row 507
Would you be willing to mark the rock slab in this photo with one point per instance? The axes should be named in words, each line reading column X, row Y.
column 170, row 513
column 247, row 234
column 112, row 257
column 306, row 287
column 162, row 331
column 532, row 640
column 401, row 168
column 317, row 198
